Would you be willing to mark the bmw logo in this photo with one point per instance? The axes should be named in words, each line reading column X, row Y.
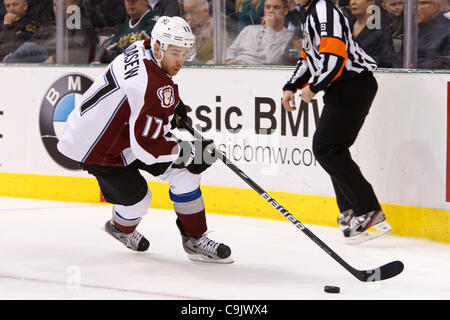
column 59, row 101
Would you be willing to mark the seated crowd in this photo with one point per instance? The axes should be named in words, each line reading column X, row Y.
column 258, row 32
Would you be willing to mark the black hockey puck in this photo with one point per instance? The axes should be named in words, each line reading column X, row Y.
column 332, row 289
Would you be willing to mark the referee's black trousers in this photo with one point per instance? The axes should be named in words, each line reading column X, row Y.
column 346, row 105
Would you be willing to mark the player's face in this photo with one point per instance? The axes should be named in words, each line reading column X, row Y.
column 173, row 59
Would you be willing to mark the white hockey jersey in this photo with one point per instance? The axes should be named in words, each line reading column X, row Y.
column 125, row 114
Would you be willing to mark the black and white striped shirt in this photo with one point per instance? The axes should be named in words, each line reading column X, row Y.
column 329, row 49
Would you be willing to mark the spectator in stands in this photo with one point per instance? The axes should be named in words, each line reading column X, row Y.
column 2, row 10
column 375, row 39
column 165, row 7
column 445, row 8
column 394, row 22
column 264, row 43
column 293, row 23
column 249, row 12
column 40, row 10
column 105, row 15
column 17, row 27
column 434, row 36
column 231, row 17
column 196, row 13
column 137, row 26
column 180, row 5
column 344, row 5
column 394, row 9
column 293, row 18
column 294, row 50
column 42, row 48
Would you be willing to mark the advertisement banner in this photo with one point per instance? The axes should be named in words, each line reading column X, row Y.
column 401, row 149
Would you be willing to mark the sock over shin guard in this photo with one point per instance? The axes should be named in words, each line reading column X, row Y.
column 125, row 225
column 190, row 210
column 126, row 218
column 193, row 224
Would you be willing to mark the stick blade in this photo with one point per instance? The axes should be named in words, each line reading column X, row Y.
column 384, row 272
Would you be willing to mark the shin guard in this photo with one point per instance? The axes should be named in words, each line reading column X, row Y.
column 190, row 210
column 126, row 218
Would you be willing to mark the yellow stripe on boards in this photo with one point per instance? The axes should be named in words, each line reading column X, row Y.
column 426, row 223
column 47, row 187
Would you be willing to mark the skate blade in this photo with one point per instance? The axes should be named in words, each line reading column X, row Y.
column 203, row 258
column 374, row 232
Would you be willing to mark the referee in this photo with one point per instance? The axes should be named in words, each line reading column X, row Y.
column 332, row 61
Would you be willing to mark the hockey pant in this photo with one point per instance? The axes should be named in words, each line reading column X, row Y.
column 127, row 190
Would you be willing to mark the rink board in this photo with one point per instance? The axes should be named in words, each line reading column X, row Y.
column 402, row 148
column 426, row 223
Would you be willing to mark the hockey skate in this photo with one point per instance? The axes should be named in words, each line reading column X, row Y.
column 344, row 218
column 358, row 229
column 134, row 241
column 204, row 249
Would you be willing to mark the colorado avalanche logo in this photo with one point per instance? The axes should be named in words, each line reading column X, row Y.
column 167, row 96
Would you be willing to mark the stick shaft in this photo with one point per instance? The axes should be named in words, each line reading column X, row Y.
column 278, row 206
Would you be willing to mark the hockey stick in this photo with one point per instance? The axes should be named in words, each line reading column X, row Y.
column 386, row 271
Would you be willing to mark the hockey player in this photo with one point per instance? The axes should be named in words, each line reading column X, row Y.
column 122, row 126
column 333, row 62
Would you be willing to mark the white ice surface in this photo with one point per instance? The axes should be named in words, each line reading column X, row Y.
column 58, row 250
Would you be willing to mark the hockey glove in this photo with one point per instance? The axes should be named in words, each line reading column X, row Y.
column 196, row 156
column 180, row 112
